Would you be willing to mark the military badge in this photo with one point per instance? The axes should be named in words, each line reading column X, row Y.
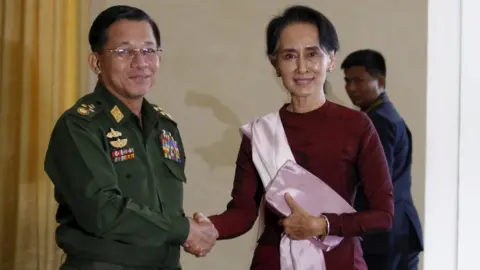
column 119, row 143
column 82, row 111
column 122, row 155
column 112, row 134
column 116, row 113
column 170, row 146
column 162, row 112
column 86, row 109
column 167, row 115
column 119, row 152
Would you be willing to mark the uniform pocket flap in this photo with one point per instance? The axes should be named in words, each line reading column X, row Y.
column 176, row 169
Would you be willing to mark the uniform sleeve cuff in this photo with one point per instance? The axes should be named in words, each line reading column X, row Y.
column 178, row 233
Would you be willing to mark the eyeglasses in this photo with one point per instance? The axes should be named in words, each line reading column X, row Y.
column 129, row 53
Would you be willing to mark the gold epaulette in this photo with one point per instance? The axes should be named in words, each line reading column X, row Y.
column 161, row 112
column 85, row 110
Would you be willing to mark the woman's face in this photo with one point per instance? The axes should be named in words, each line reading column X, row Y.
column 300, row 61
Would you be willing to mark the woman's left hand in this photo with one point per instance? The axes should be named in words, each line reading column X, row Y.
column 300, row 225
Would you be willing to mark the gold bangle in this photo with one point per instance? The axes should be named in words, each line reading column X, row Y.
column 327, row 227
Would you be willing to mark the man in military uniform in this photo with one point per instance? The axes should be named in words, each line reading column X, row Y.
column 117, row 162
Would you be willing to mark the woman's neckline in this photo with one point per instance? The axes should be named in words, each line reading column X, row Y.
column 300, row 114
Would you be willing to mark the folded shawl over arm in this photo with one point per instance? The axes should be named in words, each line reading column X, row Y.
column 355, row 154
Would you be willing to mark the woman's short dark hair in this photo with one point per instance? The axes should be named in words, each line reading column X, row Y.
column 98, row 35
column 327, row 35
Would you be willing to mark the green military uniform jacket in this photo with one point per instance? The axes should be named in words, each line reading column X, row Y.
column 119, row 183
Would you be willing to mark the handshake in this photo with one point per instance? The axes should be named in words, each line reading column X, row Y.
column 201, row 237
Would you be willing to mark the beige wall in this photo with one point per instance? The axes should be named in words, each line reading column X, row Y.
column 215, row 77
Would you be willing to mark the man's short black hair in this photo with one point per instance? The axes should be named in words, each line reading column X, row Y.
column 327, row 35
column 98, row 35
column 371, row 60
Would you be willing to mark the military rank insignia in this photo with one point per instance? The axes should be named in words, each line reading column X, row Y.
column 118, row 144
column 86, row 109
column 162, row 112
column 116, row 113
column 170, row 146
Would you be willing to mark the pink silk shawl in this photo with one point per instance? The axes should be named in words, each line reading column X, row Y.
column 279, row 173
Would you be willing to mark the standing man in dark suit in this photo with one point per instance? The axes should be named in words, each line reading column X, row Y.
column 397, row 249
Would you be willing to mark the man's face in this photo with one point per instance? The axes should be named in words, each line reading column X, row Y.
column 361, row 87
column 130, row 59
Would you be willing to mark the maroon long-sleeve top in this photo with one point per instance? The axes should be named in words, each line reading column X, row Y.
column 341, row 147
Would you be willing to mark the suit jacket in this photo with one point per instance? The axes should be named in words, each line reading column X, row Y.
column 406, row 232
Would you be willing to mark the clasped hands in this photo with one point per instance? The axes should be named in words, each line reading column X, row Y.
column 201, row 237
column 299, row 225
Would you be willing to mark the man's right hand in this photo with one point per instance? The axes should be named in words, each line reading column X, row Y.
column 202, row 236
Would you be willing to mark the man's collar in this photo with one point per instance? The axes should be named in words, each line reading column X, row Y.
column 117, row 110
column 382, row 98
column 148, row 112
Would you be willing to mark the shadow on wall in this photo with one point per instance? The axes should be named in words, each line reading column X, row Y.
column 223, row 152
column 219, row 153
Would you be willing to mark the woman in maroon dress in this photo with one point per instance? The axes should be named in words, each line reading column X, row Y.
column 337, row 144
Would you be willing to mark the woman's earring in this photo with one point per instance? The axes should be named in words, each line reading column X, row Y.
column 278, row 74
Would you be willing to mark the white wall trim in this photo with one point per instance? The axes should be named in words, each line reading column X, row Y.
column 442, row 151
column 453, row 133
column 469, row 161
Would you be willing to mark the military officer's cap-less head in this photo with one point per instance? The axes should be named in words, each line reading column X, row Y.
column 125, row 43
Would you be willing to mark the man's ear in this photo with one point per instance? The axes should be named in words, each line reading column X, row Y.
column 381, row 81
column 94, row 63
